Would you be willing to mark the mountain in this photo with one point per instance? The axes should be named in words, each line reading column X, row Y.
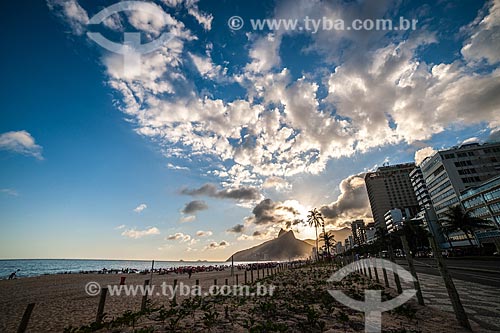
column 340, row 235
column 283, row 247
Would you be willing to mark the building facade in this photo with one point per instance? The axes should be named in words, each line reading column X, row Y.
column 483, row 202
column 358, row 232
column 420, row 188
column 450, row 172
column 390, row 187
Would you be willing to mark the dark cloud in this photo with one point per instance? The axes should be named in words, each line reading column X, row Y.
column 215, row 245
column 194, row 206
column 210, row 190
column 256, row 233
column 290, row 224
column 351, row 204
column 237, row 228
column 264, row 212
column 269, row 212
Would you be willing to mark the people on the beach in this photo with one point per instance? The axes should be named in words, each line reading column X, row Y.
column 13, row 275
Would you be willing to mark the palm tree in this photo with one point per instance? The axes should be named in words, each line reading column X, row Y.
column 457, row 219
column 315, row 219
column 329, row 240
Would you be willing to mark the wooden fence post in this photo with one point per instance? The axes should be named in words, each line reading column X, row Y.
column 395, row 270
column 376, row 273
column 26, row 318
column 460, row 313
column 409, row 259
column 145, row 296
column 100, row 307
column 384, row 271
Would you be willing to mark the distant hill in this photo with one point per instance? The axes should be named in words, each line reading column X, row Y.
column 340, row 235
column 284, row 247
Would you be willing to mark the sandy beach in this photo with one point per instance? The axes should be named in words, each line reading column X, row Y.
column 61, row 299
column 300, row 304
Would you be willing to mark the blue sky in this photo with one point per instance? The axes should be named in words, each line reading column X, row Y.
column 221, row 137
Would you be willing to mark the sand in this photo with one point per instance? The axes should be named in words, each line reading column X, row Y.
column 61, row 300
column 300, row 304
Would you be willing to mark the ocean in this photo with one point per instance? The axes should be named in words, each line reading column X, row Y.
column 35, row 267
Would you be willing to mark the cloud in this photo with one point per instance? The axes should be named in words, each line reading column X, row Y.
column 284, row 214
column 140, row 208
column 134, row 233
column 180, row 237
column 72, row 13
column 215, row 245
column 470, row 140
column 194, row 206
column 210, row 190
column 20, row 142
column 10, row 192
column 494, row 135
column 206, row 67
column 176, row 167
column 237, row 228
column 120, row 227
column 204, row 19
column 484, row 32
column 277, row 183
column 201, row 233
column 186, row 219
column 423, row 153
column 351, row 204
column 282, row 125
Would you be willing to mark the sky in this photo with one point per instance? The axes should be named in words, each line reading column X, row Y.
column 224, row 133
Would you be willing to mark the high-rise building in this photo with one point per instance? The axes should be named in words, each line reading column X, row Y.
column 339, row 249
column 358, row 232
column 419, row 187
column 390, row 187
column 483, row 202
column 370, row 233
column 449, row 172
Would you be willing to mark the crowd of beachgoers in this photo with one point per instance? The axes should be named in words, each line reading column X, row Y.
column 180, row 269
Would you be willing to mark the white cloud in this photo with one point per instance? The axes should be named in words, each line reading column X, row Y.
column 206, row 67
column 20, row 142
column 180, row 237
column 121, row 226
column 176, row 167
column 423, row 153
column 484, row 32
column 134, row 233
column 470, row 140
column 187, row 218
column 140, row 208
column 283, row 126
column 264, row 54
column 277, row 183
column 9, row 191
column 204, row 19
column 71, row 12
column 150, row 18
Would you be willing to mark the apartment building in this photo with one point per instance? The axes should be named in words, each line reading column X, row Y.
column 390, row 187
column 450, row 172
